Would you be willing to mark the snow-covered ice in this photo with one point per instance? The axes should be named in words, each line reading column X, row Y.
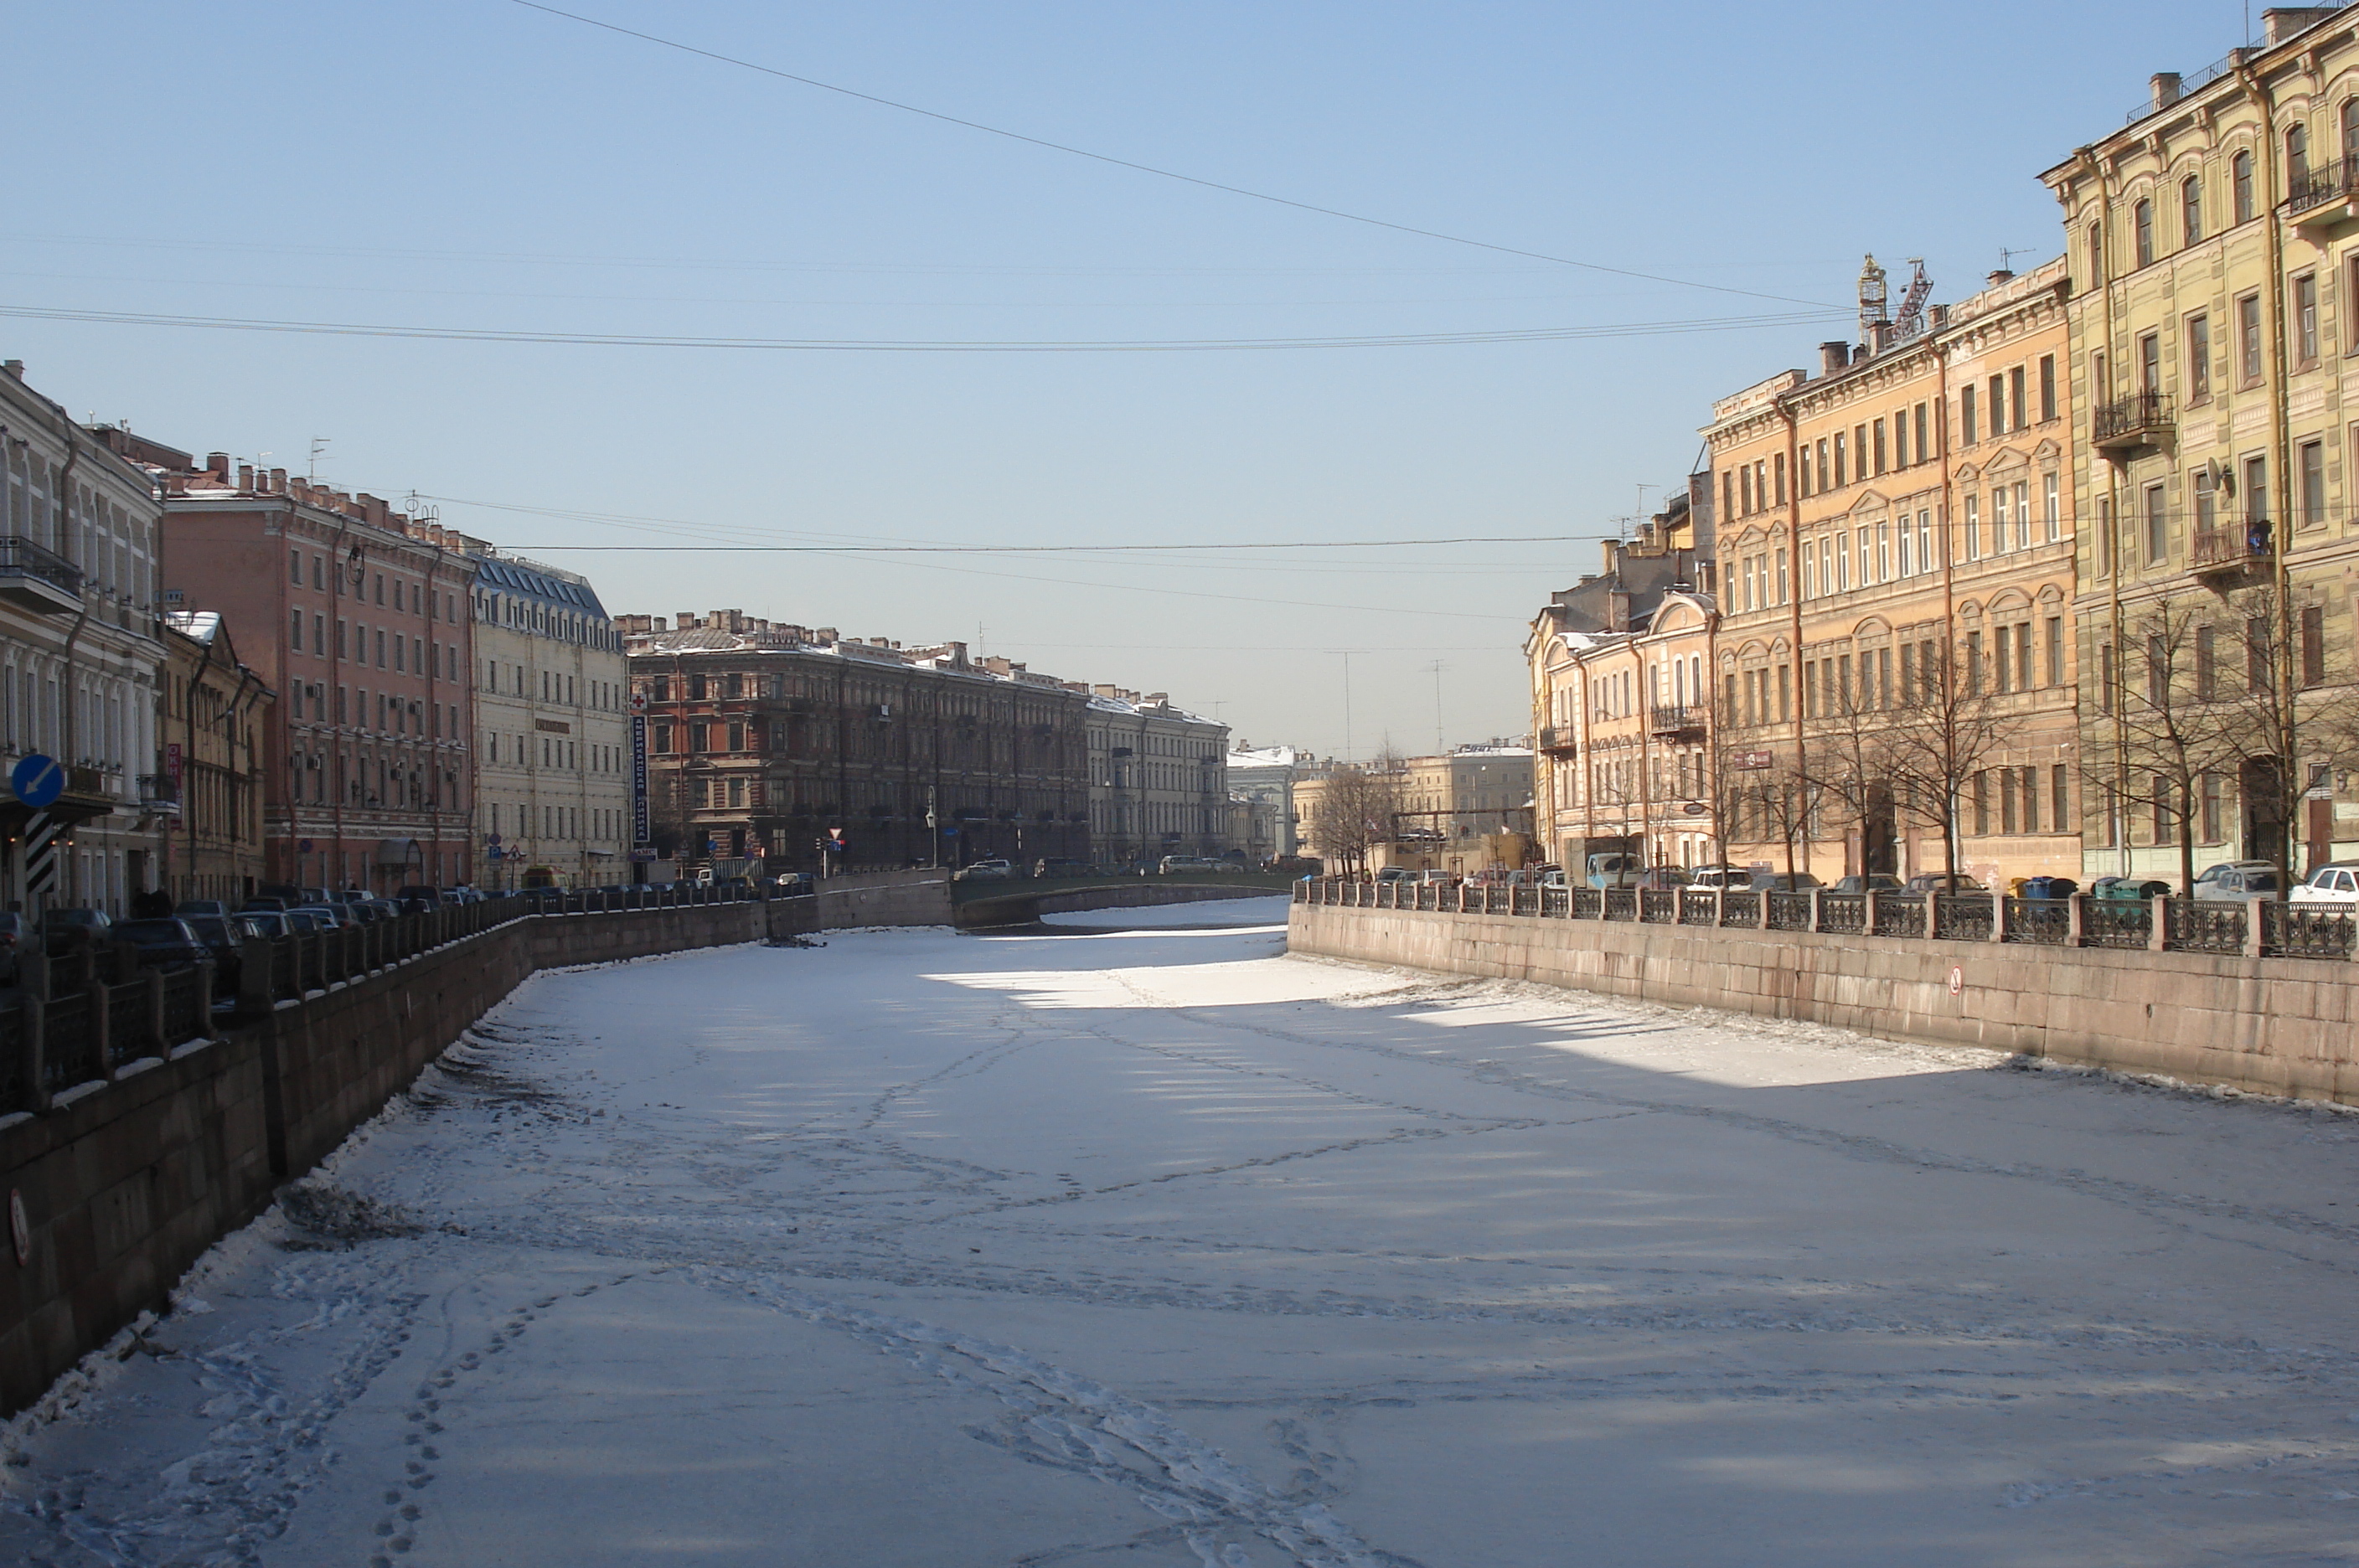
column 1145, row 1248
column 1264, row 911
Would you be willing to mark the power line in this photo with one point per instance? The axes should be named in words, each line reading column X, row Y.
column 873, row 345
column 1151, row 168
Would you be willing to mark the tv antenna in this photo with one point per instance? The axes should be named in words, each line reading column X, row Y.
column 319, row 445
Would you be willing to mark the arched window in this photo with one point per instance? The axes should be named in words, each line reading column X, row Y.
column 2142, row 227
column 2297, row 145
column 2240, row 179
column 2191, row 209
column 2349, row 136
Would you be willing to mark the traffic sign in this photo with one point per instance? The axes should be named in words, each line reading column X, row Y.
column 39, row 780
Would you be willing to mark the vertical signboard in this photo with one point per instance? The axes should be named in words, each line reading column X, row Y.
column 641, row 835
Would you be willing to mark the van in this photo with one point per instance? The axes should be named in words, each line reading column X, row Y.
column 1612, row 868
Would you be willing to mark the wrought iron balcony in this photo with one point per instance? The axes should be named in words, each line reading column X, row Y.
column 37, row 578
column 2324, row 196
column 1669, row 722
column 2239, row 547
column 1558, row 743
column 2141, row 419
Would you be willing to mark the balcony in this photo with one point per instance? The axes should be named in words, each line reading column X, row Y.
column 39, row 580
column 2237, row 548
column 2125, row 424
column 1676, row 723
column 2323, row 198
column 1558, row 743
column 159, row 795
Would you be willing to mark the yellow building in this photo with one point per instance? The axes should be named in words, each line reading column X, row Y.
column 1894, row 660
column 2214, row 250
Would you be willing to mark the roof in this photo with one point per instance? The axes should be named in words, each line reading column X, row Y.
column 530, row 580
column 197, row 626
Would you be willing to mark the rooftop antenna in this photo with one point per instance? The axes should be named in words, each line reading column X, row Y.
column 319, row 445
column 1438, row 666
column 2007, row 255
column 1911, row 320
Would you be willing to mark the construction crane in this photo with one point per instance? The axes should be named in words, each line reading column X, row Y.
column 1911, row 320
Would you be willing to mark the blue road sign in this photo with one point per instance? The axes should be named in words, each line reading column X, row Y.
column 39, row 780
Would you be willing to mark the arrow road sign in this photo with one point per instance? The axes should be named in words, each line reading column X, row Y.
column 39, row 780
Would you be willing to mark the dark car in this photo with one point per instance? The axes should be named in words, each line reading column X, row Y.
column 1874, row 882
column 418, row 898
column 162, row 944
column 223, row 936
column 188, row 907
column 268, row 903
column 75, row 925
column 1934, row 882
column 1785, row 882
column 1062, row 865
column 1296, row 864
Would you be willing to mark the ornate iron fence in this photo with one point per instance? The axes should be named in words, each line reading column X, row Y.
column 188, row 1006
column 1786, row 912
column 2207, row 925
column 1556, row 902
column 1621, row 903
column 128, row 1034
column 1962, row 917
column 2310, row 930
column 2118, row 922
column 1900, row 914
column 2047, row 921
column 1844, row 914
column 1658, row 906
column 1740, row 909
column 1696, row 906
column 1588, row 904
column 69, row 1055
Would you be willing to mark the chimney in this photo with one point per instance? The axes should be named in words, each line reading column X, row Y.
column 1833, row 358
column 246, row 476
column 217, row 464
column 2001, row 276
column 1881, row 336
column 2164, row 84
column 826, row 634
column 1937, row 317
column 2280, row 23
column 278, row 481
column 15, row 368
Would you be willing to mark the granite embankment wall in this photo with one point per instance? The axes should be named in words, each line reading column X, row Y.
column 2277, row 1026
column 122, row 1182
column 885, row 899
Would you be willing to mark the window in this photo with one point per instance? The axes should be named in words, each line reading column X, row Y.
column 2096, row 254
column 1973, row 663
column 1982, row 805
column 2158, row 525
column 2207, row 665
column 2212, row 816
column 2249, row 339
column 737, row 737
column 2106, row 677
column 2001, row 522
column 1925, row 561
column 2005, row 652
column 2256, row 492
column 2190, row 210
column 1974, row 528
column 1997, row 407
column 2257, row 651
column 698, row 737
column 1823, row 468
column 2297, row 145
column 2199, row 359
column 2046, row 388
column 295, row 631
column 1921, row 449
column 1965, row 416
column 2240, row 181
column 2142, row 228
column 2056, row 650
column 2206, row 501
column 1778, row 469
column 2149, row 349
column 1840, row 480
column 2313, row 645
column 1878, row 428
column 2305, row 320
column 295, row 567
column 2312, row 457
column 2015, row 390
column 2053, row 507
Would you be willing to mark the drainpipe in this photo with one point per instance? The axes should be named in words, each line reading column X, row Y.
column 1794, row 598
column 189, row 761
column 2280, row 440
column 1952, row 835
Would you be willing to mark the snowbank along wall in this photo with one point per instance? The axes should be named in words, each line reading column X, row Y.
column 2277, row 1026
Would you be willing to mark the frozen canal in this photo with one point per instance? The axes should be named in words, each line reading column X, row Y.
column 1156, row 1247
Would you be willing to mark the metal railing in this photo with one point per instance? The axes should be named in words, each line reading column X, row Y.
column 2260, row 928
column 2131, row 419
column 83, row 1014
column 2233, row 545
column 2328, row 182
column 23, row 558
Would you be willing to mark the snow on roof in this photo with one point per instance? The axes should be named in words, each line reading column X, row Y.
column 1266, row 757
column 199, row 626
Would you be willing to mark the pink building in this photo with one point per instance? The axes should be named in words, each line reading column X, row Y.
column 358, row 615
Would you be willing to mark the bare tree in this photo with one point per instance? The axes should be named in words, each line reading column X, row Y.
column 2285, row 721
column 2182, row 723
column 1848, row 766
column 1357, row 810
column 1944, row 731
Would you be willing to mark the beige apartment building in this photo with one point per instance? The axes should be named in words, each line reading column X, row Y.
column 2214, row 246
column 1624, row 734
column 1895, row 650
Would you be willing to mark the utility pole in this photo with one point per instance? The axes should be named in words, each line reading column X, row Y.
column 1440, row 743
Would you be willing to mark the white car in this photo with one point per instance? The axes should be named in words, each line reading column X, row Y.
column 2239, row 881
column 2336, row 882
column 983, row 871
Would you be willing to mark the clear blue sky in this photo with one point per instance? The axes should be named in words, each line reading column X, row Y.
column 471, row 163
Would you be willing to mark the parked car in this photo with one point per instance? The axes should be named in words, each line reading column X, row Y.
column 381, row 909
column 325, row 916
column 162, row 944
column 1785, row 882
column 75, row 924
column 1663, row 878
column 1171, row 862
column 1395, row 874
column 1935, row 882
column 797, row 884
column 269, row 923
column 1061, row 865
column 220, row 936
column 188, row 907
column 2336, row 882
column 2238, row 881
column 309, row 919
column 417, row 898
column 984, row 871
column 1296, row 864
column 270, row 903
column 1612, row 868
column 1733, row 879
column 1871, row 882
column 1552, row 876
